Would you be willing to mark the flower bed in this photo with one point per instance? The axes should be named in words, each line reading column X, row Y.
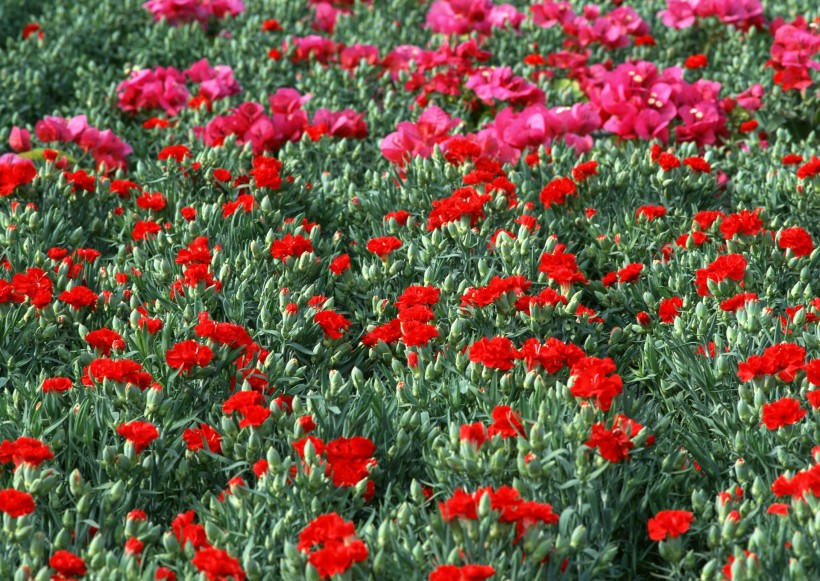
column 455, row 290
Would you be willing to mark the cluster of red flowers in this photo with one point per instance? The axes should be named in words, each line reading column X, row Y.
column 731, row 266
column 331, row 545
column 595, row 378
column 348, row 461
column 463, row 573
column 506, row 423
column 413, row 324
column 498, row 287
column 783, row 360
column 463, row 202
column 215, row 564
column 24, row 450
column 561, row 267
column 249, row 405
column 139, row 433
column 196, row 259
column 117, row 370
column 614, row 444
column 506, row 501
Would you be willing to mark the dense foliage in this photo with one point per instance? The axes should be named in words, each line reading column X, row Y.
column 409, row 289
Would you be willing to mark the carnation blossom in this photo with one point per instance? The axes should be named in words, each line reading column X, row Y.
column 669, row 524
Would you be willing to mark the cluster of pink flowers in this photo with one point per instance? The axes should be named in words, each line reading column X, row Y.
column 287, row 122
column 176, row 12
column 636, row 100
column 742, row 14
column 326, row 12
column 792, row 50
column 418, row 139
column 612, row 30
column 164, row 87
column 511, row 133
column 466, row 16
column 325, row 51
column 492, row 84
column 105, row 147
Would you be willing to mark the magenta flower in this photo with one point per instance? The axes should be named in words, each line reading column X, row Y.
column 499, row 83
column 214, row 82
column 418, row 139
column 344, row 124
column 159, row 88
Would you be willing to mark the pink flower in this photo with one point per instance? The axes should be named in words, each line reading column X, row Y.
column 313, row 47
column 214, row 82
column 159, row 88
column 679, row 14
column 504, row 14
column 793, row 47
column 52, row 129
column 551, row 13
column 498, row 83
column 536, row 126
column 20, row 140
column 177, row 12
column 343, row 124
column 418, row 139
column 460, row 16
column 250, row 124
column 752, row 98
column 351, row 56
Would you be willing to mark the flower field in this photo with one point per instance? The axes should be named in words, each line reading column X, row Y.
column 409, row 289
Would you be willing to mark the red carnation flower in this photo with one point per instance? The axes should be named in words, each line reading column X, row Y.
column 463, row 573
column 186, row 355
column 698, row 164
column 177, row 152
column 204, row 435
column 797, row 240
column 668, row 161
column 650, row 212
column 561, row 267
column 266, row 172
column 56, row 384
column 669, row 523
column 67, row 564
column 218, row 565
column 16, row 503
column 289, row 246
column 331, row 545
column 669, row 309
column 696, row 61
column 582, row 171
column 810, row 169
column 25, row 450
column 340, row 264
column 332, row 323
column 556, row 191
column 783, row 412
column 155, row 202
column 506, row 423
column 495, row 353
column 138, row 433
column 383, row 246
column 145, row 228
column 35, row 285
column 104, row 340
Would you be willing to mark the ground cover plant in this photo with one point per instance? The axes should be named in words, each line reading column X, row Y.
column 447, row 290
